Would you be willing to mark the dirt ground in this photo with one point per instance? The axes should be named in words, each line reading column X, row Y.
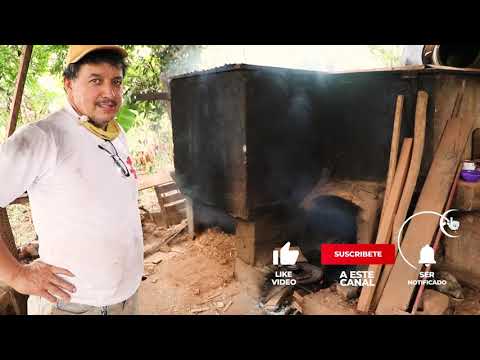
column 190, row 276
column 470, row 305
column 20, row 218
column 196, row 276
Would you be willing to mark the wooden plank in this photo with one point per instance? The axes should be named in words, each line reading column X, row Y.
column 397, row 123
column 415, row 163
column 148, row 181
column 398, row 292
column 6, row 233
column 410, row 184
column 192, row 221
column 454, row 69
column 297, row 306
column 399, row 69
column 175, row 204
column 276, row 298
column 167, row 187
column 145, row 182
column 298, row 297
column 445, row 89
column 385, row 227
column 173, row 197
column 20, row 84
column 171, row 234
column 438, row 236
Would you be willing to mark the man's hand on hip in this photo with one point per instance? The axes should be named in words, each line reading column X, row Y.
column 39, row 278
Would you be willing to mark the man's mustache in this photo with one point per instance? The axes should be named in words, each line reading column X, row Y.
column 106, row 102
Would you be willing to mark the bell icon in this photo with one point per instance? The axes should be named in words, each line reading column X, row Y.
column 427, row 255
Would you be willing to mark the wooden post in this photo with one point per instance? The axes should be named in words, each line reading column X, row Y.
column 6, row 233
column 17, row 97
column 397, row 123
column 437, row 238
column 190, row 216
column 5, row 228
column 19, row 300
column 386, row 223
column 409, row 187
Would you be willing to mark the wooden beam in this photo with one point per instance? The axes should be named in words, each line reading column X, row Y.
column 399, row 69
column 148, row 181
column 144, row 182
column 385, row 227
column 421, row 229
column 151, row 96
column 437, row 238
column 5, row 229
column 454, row 69
column 20, row 84
column 415, row 163
column 410, row 184
column 397, row 123
column 6, row 233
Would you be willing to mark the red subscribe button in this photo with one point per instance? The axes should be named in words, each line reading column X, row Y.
column 357, row 254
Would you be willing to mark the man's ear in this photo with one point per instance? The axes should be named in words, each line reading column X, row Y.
column 67, row 85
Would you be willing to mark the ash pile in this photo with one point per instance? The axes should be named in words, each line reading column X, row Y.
column 286, row 286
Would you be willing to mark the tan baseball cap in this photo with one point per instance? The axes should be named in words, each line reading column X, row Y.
column 76, row 52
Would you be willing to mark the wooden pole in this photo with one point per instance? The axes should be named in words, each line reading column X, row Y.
column 386, row 223
column 5, row 228
column 19, row 301
column 437, row 238
column 410, row 184
column 17, row 97
column 397, row 123
column 6, row 233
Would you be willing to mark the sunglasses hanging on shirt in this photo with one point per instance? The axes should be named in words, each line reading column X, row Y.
column 116, row 158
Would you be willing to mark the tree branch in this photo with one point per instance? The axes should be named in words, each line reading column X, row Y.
column 151, row 96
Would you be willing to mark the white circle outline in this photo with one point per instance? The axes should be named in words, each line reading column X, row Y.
column 442, row 217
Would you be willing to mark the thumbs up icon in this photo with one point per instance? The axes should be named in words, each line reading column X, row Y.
column 287, row 256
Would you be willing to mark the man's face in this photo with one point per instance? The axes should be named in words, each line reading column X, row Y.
column 96, row 92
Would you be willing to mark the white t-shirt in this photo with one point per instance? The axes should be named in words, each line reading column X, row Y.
column 84, row 211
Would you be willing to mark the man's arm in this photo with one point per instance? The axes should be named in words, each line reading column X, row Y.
column 25, row 157
column 36, row 278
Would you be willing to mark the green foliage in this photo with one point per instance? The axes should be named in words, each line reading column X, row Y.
column 46, row 61
column 390, row 55
column 149, row 69
column 150, row 65
column 146, row 123
column 126, row 117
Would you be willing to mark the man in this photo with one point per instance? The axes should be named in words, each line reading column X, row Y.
column 82, row 187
